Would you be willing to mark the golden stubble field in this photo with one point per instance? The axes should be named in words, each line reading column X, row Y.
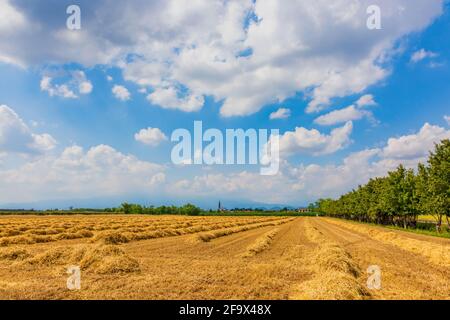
column 178, row 257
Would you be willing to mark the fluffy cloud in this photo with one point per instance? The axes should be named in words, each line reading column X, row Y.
column 313, row 142
column 300, row 184
column 150, row 136
column 249, row 185
column 11, row 22
column 366, row 100
column 121, row 93
column 56, row 90
column 422, row 54
column 10, row 18
column 240, row 53
column 447, row 118
column 353, row 80
column 351, row 113
column 104, row 171
column 16, row 136
column 305, row 183
column 77, row 83
column 281, row 113
column 343, row 115
column 358, row 168
column 100, row 171
column 415, row 145
column 85, row 87
column 168, row 98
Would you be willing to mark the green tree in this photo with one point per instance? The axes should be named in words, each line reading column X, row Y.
column 190, row 210
column 439, row 182
column 125, row 208
column 401, row 196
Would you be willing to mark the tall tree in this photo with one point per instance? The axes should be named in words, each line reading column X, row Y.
column 439, row 181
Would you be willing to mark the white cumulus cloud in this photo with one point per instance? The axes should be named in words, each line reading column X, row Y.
column 16, row 136
column 150, row 136
column 76, row 85
column 56, row 90
column 422, row 54
column 121, row 93
column 169, row 98
column 314, row 142
column 350, row 113
column 85, row 87
column 281, row 113
column 366, row 100
column 415, row 145
column 306, row 183
column 77, row 173
column 244, row 54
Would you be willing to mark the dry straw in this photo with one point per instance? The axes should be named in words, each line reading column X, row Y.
column 208, row 236
column 101, row 259
column 335, row 274
column 438, row 254
column 261, row 244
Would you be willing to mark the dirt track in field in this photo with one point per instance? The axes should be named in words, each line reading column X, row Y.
column 404, row 274
column 306, row 258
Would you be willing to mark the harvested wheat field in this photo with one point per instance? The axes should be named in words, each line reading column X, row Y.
column 180, row 257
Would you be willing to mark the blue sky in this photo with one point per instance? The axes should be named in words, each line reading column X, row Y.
column 74, row 100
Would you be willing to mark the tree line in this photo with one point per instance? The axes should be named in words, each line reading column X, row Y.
column 129, row 208
column 401, row 196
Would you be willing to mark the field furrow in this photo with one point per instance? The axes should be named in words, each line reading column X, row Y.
column 181, row 257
